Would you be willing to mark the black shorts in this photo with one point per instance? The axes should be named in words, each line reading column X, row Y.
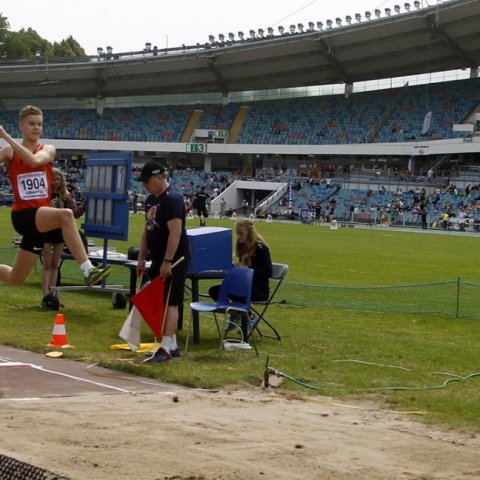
column 177, row 280
column 202, row 211
column 23, row 222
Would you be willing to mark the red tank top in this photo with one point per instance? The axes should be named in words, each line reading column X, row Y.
column 32, row 187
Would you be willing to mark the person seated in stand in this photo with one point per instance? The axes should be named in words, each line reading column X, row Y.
column 29, row 167
column 54, row 243
column 251, row 252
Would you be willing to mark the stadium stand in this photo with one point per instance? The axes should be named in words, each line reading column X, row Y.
column 331, row 119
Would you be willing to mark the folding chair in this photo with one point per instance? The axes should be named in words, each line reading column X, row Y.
column 236, row 284
column 279, row 272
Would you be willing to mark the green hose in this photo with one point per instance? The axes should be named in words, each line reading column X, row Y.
column 313, row 387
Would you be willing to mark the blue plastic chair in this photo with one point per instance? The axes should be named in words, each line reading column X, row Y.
column 234, row 297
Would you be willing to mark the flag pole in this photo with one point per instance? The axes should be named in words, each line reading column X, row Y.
column 181, row 259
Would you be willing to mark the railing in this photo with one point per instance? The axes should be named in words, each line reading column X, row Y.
column 273, row 198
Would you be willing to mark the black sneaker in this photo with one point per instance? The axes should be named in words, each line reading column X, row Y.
column 96, row 275
column 176, row 353
column 160, row 356
column 50, row 302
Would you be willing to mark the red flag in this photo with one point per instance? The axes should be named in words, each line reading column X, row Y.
column 150, row 303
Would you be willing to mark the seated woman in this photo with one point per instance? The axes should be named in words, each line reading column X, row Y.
column 252, row 252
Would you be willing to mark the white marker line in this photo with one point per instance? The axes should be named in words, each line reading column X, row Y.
column 79, row 379
column 27, row 399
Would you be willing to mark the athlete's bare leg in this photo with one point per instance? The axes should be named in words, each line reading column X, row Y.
column 23, row 265
column 48, row 218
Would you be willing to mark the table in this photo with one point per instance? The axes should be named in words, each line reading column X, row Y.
column 96, row 257
column 194, row 278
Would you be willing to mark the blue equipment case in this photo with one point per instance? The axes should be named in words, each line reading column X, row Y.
column 211, row 249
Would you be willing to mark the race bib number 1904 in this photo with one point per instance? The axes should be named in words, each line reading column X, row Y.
column 32, row 186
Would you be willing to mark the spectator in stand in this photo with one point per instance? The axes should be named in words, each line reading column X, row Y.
column 223, row 207
column 245, row 207
column 430, row 175
column 423, row 216
column 445, row 219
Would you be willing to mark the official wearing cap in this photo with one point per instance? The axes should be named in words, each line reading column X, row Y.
column 165, row 239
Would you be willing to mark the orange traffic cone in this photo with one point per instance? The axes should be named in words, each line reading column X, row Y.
column 59, row 334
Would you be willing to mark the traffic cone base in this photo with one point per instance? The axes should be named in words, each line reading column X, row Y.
column 59, row 334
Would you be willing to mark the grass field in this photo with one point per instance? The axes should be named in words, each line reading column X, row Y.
column 433, row 359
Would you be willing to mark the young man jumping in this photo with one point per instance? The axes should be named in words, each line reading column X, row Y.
column 29, row 167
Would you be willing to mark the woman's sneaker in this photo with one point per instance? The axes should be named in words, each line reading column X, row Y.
column 96, row 275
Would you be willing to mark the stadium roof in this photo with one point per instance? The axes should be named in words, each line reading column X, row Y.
column 426, row 40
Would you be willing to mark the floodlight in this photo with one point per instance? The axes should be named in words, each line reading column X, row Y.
column 241, row 35
column 329, row 23
column 348, row 19
column 231, row 36
column 368, row 15
column 407, row 6
column 281, row 30
column 338, row 21
column 397, row 8
column 211, row 38
column 377, row 13
column 388, row 11
column 358, row 17
column 300, row 27
column 319, row 25
column 292, row 28
column 311, row 26
column 416, row 3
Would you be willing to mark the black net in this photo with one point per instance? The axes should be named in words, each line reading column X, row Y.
column 11, row 469
column 455, row 298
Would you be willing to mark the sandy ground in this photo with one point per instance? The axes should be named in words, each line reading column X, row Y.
column 243, row 433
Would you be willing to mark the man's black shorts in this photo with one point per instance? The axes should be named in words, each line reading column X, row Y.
column 177, row 281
